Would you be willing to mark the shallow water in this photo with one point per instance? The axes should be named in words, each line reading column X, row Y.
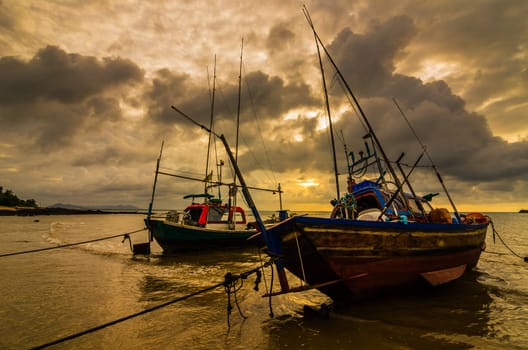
column 52, row 294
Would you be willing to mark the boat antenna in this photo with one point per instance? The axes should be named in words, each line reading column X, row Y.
column 457, row 214
column 327, row 105
column 210, row 127
column 356, row 102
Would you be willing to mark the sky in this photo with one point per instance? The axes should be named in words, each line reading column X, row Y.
column 86, row 89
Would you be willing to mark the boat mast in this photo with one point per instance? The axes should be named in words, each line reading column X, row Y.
column 238, row 105
column 233, row 190
column 327, row 104
column 211, row 128
column 149, row 213
column 356, row 102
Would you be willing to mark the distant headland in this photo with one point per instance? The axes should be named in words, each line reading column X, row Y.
column 11, row 205
column 53, row 210
column 523, row 211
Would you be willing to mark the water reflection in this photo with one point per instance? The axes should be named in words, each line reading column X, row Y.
column 472, row 312
column 449, row 317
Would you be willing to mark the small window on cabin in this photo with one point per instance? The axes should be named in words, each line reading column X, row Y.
column 215, row 214
column 238, row 217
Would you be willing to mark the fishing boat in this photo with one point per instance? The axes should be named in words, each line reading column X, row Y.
column 207, row 223
column 360, row 256
column 378, row 236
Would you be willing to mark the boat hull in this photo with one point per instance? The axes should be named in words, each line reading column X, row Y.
column 361, row 257
column 175, row 237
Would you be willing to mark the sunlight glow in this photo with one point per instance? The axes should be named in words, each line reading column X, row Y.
column 297, row 113
column 307, row 183
column 336, row 115
column 489, row 102
column 436, row 70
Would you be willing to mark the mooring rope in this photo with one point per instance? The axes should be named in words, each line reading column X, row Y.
column 266, row 284
column 229, row 281
column 495, row 233
column 124, row 235
column 230, row 287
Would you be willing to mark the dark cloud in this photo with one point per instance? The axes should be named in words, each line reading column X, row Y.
column 53, row 74
column 47, row 100
column 263, row 97
column 280, row 38
column 369, row 60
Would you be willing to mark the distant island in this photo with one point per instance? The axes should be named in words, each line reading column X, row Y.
column 523, row 211
column 10, row 205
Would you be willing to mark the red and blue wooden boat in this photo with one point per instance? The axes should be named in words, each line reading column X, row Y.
column 378, row 237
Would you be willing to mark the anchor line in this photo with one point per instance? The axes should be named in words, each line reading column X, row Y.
column 266, row 285
column 496, row 233
column 124, row 235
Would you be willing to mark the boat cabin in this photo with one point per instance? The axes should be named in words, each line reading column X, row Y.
column 370, row 195
column 205, row 215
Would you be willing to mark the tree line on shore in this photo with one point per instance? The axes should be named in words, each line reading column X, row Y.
column 9, row 199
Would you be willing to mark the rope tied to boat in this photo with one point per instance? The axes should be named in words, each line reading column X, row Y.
column 496, row 233
column 230, row 287
column 125, row 236
column 233, row 283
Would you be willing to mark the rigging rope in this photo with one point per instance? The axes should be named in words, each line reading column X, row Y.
column 504, row 243
column 229, row 281
column 124, row 235
column 256, row 117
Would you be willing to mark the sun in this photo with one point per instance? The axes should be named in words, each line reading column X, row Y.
column 307, row 183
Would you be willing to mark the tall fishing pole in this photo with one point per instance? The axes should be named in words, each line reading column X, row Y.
column 349, row 90
column 457, row 214
column 327, row 104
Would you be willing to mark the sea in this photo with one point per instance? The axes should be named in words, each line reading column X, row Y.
column 98, row 295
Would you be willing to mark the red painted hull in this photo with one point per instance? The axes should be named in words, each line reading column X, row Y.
column 363, row 257
column 399, row 271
